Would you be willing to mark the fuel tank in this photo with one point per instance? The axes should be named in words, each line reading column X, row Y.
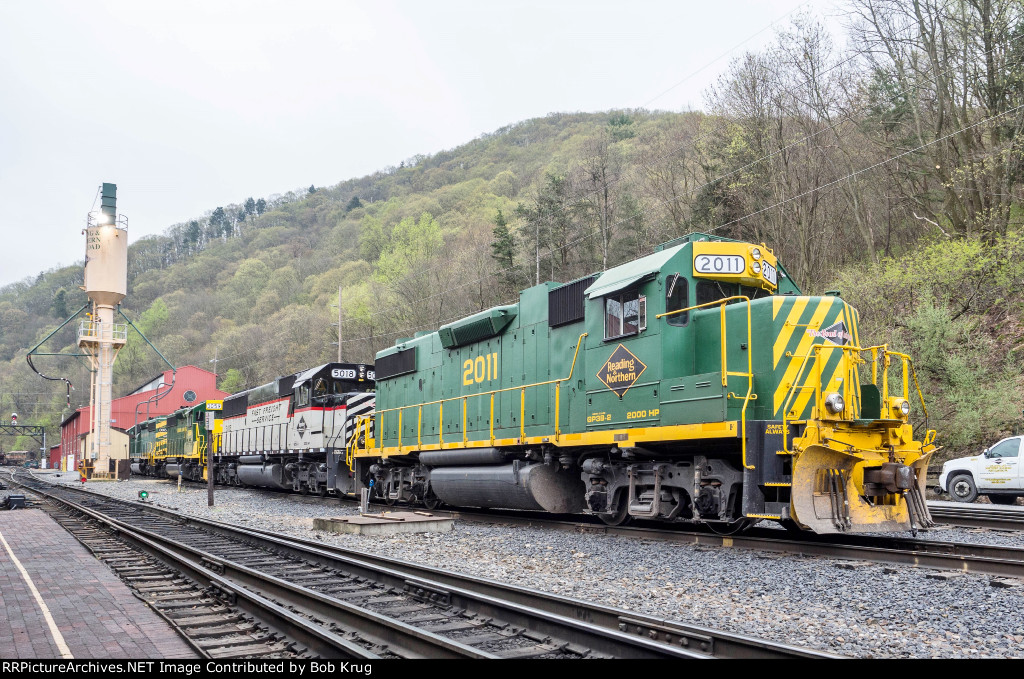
column 269, row 476
column 537, row 487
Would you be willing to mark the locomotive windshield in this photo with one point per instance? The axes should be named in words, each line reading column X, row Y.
column 712, row 291
column 347, row 387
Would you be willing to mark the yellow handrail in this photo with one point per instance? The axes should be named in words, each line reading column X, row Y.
column 906, row 362
column 721, row 303
column 465, row 399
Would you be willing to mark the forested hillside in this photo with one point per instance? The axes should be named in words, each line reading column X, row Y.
column 886, row 162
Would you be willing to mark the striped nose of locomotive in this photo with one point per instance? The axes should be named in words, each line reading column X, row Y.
column 799, row 324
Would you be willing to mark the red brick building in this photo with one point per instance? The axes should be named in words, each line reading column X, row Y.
column 189, row 386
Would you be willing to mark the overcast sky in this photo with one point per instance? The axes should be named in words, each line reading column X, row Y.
column 187, row 105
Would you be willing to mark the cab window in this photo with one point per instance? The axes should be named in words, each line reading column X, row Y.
column 320, row 387
column 712, row 291
column 624, row 314
column 676, row 298
column 302, row 397
column 1007, row 448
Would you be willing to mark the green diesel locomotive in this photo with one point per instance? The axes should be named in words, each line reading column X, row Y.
column 695, row 384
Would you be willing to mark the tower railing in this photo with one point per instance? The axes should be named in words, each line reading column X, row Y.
column 94, row 332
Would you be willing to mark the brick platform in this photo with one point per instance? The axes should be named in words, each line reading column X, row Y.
column 96, row 613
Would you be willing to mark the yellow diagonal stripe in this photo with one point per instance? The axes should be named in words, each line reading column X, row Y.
column 786, row 331
column 805, row 344
column 827, row 381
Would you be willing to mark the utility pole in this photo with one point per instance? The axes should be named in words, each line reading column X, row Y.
column 338, row 323
column 211, row 441
column 214, row 362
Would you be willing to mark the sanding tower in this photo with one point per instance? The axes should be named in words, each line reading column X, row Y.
column 106, row 284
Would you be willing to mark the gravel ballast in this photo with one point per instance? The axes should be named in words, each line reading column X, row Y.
column 852, row 608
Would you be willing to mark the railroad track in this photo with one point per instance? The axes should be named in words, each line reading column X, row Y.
column 215, row 618
column 952, row 556
column 215, row 629
column 972, row 515
column 936, row 554
column 408, row 611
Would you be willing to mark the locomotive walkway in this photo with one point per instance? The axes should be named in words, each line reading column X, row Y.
column 60, row 602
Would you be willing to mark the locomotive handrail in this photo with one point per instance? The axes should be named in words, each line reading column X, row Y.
column 721, row 303
column 806, row 363
column 465, row 400
column 815, row 351
column 200, row 442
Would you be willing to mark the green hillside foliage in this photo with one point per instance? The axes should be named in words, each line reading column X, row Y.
column 956, row 308
column 891, row 168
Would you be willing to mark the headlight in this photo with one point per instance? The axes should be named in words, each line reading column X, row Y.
column 905, row 408
column 755, row 253
column 835, row 403
column 755, row 268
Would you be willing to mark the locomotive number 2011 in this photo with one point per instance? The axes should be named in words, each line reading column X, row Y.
column 480, row 369
column 719, row 264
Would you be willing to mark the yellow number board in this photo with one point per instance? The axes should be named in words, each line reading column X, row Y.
column 743, row 263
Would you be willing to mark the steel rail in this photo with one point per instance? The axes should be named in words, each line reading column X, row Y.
column 957, row 556
column 706, row 640
column 716, row 643
column 405, row 640
column 971, row 515
column 283, row 621
column 579, row 633
column 964, row 557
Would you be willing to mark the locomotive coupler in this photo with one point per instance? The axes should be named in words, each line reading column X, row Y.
column 891, row 477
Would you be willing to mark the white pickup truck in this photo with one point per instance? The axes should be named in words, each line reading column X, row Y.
column 996, row 473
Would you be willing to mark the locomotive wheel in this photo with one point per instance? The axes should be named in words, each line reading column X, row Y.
column 618, row 517
column 791, row 525
column 733, row 528
column 389, row 501
column 431, row 501
column 962, row 488
column 304, row 489
column 323, row 491
column 1003, row 499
